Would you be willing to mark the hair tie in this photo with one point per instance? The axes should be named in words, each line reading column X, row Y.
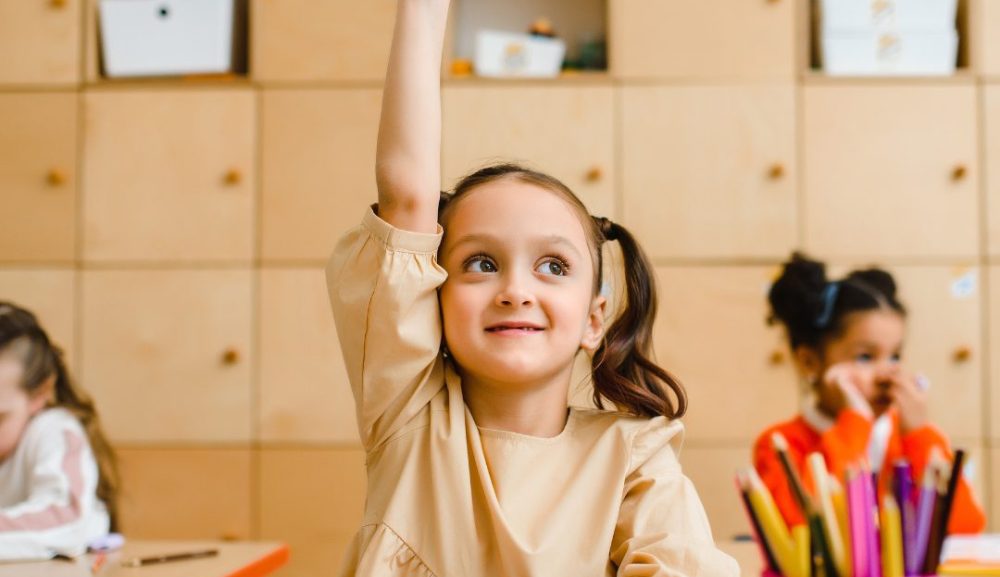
column 829, row 298
column 607, row 228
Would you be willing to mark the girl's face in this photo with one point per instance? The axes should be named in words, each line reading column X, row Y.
column 873, row 342
column 16, row 405
column 519, row 300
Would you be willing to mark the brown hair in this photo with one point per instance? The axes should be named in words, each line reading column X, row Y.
column 43, row 362
column 622, row 370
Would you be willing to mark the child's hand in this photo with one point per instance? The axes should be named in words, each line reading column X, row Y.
column 909, row 398
column 841, row 389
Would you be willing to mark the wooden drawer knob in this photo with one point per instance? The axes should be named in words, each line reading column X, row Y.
column 777, row 357
column 56, row 177
column 959, row 172
column 230, row 356
column 962, row 354
column 233, row 176
column 57, row 3
column 595, row 174
column 776, row 172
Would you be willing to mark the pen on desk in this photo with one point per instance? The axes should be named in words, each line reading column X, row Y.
column 141, row 561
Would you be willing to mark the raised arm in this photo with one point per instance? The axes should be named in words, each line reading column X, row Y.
column 408, row 158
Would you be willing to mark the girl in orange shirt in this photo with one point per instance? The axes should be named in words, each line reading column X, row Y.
column 846, row 338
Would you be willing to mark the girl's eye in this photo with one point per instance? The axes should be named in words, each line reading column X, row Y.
column 863, row 358
column 553, row 267
column 480, row 264
column 897, row 357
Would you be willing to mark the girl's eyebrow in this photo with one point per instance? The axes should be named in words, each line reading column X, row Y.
column 489, row 239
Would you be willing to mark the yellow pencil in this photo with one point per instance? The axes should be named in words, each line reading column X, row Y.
column 773, row 526
column 840, row 506
column 803, row 556
column 824, row 494
column 892, row 538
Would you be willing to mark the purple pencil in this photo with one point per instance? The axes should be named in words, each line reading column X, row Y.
column 925, row 513
column 871, row 527
column 857, row 518
column 902, row 482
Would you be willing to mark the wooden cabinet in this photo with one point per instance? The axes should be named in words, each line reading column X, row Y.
column 564, row 131
column 679, row 39
column 710, row 171
column 38, row 170
column 312, row 499
column 169, row 175
column 167, row 353
column 170, row 493
column 711, row 334
column 712, row 469
column 320, row 40
column 988, row 36
column 993, row 426
column 317, row 168
column 991, row 155
column 891, row 171
column 993, row 488
column 51, row 295
column 39, row 42
column 304, row 392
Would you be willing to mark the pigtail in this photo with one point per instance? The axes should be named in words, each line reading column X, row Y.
column 623, row 372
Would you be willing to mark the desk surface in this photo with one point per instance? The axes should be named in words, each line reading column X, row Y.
column 251, row 559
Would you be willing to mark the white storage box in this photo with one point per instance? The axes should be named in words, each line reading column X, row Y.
column 504, row 54
column 166, row 37
column 885, row 54
column 838, row 15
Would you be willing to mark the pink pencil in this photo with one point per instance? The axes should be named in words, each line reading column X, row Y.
column 871, row 526
column 857, row 516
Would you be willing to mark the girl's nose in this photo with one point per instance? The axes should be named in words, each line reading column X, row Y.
column 514, row 294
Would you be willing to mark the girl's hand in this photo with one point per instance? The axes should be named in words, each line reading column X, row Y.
column 841, row 389
column 910, row 399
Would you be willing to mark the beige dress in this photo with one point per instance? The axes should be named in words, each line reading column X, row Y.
column 447, row 498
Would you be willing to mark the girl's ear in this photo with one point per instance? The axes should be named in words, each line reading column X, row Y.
column 593, row 334
column 43, row 396
column 808, row 362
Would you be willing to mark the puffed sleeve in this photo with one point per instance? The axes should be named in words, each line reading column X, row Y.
column 383, row 285
column 662, row 529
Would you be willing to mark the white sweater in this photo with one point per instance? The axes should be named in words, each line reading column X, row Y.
column 48, row 500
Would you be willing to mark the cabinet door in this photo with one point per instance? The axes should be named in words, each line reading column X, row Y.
column 167, row 353
column 711, row 333
column 304, row 392
column 943, row 341
column 169, row 175
column 988, row 34
column 170, row 493
column 680, row 39
column 51, row 295
column 709, row 171
column 39, row 41
column 993, row 426
column 991, row 154
column 38, row 176
column 891, row 170
column 317, row 168
column 312, row 499
column 564, row 131
column 301, row 40
column 711, row 469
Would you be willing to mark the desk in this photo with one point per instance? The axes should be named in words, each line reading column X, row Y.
column 250, row 559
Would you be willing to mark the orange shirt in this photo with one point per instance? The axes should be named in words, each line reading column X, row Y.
column 846, row 443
